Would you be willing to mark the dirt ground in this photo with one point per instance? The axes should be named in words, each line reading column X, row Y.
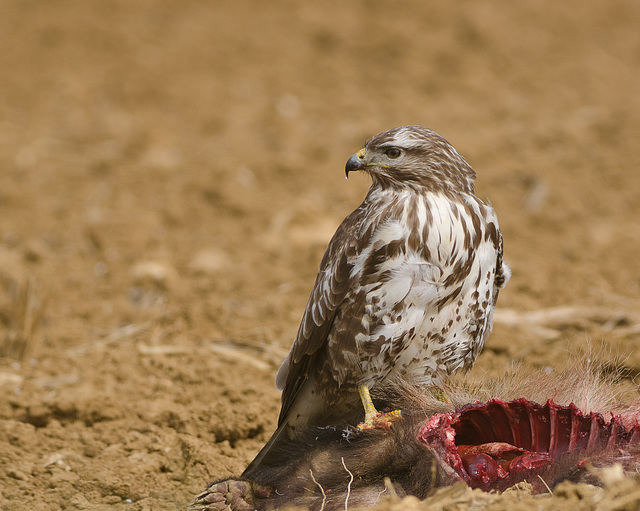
column 170, row 174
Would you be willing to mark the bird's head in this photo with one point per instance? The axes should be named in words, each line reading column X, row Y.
column 413, row 156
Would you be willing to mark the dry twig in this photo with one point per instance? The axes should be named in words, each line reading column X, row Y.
column 346, row 500
column 548, row 324
column 23, row 319
column 324, row 495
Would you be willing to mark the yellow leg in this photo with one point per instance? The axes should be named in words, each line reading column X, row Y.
column 372, row 417
column 370, row 411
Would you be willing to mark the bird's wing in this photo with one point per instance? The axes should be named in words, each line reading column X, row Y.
column 332, row 286
column 503, row 272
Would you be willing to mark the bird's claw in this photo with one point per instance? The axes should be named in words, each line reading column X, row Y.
column 380, row 420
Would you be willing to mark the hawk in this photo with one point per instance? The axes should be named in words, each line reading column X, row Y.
column 406, row 288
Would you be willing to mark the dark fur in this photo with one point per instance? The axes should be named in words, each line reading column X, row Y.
column 382, row 462
column 296, row 470
column 387, row 461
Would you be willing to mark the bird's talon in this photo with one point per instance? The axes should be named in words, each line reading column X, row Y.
column 380, row 420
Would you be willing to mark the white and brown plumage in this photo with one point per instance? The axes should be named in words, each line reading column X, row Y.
column 406, row 288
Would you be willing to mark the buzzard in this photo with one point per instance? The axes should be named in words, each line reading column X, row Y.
column 406, row 288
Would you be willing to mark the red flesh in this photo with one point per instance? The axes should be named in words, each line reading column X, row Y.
column 486, row 443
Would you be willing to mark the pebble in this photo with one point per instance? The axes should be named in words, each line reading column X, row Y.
column 158, row 273
column 208, row 261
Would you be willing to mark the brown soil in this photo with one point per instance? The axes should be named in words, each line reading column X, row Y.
column 172, row 171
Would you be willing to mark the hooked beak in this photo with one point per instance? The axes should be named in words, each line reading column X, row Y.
column 356, row 162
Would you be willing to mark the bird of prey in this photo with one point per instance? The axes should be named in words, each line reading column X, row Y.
column 406, row 288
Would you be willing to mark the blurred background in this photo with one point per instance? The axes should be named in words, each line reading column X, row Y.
column 171, row 172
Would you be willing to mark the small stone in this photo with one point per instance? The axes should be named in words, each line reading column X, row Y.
column 157, row 273
column 79, row 501
column 208, row 261
column 63, row 475
column 18, row 474
column 111, row 499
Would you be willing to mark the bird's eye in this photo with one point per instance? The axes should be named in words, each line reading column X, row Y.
column 393, row 152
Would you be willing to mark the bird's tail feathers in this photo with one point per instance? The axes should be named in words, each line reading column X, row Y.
column 262, row 457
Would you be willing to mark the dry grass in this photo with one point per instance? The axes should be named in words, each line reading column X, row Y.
column 22, row 317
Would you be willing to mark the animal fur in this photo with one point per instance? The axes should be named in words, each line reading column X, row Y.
column 326, row 467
